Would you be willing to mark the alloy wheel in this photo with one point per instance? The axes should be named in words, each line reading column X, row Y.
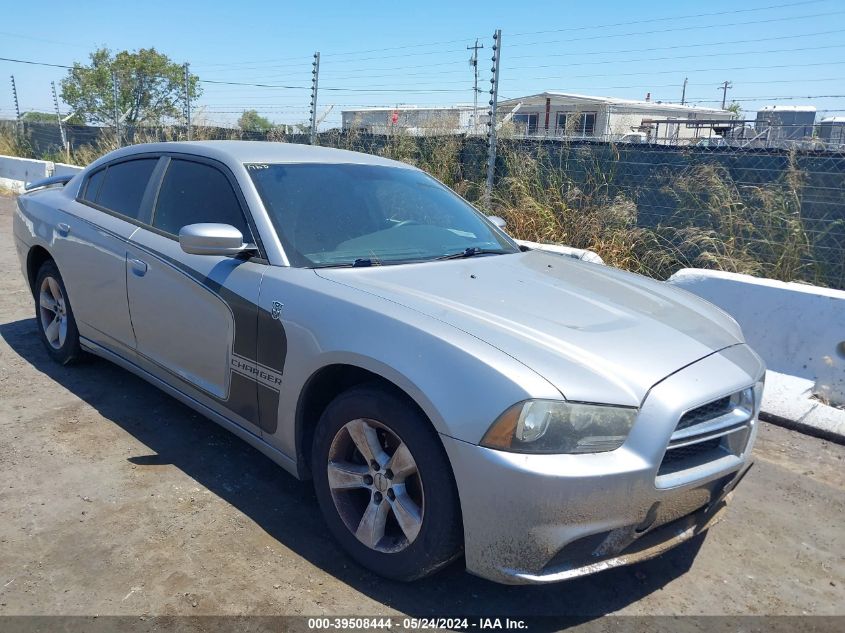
column 52, row 311
column 375, row 485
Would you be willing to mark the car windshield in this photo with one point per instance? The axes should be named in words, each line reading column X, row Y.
column 351, row 215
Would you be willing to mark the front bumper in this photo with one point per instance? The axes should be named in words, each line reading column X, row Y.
column 546, row 518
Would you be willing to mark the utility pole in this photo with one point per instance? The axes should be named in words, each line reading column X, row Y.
column 491, row 117
column 18, row 122
column 315, row 80
column 725, row 87
column 116, row 108
column 473, row 61
column 65, row 145
column 188, row 99
column 684, row 92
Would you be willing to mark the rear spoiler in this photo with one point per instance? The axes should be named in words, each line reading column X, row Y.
column 48, row 182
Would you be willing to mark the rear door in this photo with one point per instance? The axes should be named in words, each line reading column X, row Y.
column 195, row 316
column 90, row 248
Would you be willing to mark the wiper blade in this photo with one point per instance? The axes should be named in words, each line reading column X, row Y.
column 472, row 251
column 364, row 262
column 361, row 262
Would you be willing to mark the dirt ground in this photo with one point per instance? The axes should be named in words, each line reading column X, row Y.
column 116, row 499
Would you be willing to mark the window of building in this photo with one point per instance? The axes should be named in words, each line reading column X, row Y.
column 576, row 123
column 120, row 187
column 195, row 192
column 526, row 122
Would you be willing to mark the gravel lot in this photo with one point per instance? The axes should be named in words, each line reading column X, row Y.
column 116, row 499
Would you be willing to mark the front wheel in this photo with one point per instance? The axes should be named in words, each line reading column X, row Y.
column 384, row 484
column 56, row 324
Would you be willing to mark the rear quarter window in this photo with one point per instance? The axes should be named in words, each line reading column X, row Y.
column 120, row 187
column 92, row 186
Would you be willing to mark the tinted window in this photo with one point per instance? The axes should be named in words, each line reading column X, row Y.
column 194, row 192
column 93, row 186
column 124, row 184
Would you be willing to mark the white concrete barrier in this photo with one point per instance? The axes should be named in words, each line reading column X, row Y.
column 15, row 172
column 798, row 329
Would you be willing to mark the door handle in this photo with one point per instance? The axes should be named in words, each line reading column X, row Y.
column 139, row 267
column 63, row 229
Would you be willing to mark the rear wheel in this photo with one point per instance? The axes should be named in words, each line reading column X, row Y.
column 56, row 324
column 384, row 484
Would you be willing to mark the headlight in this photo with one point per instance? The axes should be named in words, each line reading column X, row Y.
column 554, row 426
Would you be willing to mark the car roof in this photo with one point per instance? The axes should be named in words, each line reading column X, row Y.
column 257, row 152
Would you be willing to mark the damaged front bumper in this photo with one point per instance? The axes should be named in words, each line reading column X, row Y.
column 547, row 518
column 632, row 544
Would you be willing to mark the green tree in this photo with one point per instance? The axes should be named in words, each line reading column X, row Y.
column 251, row 121
column 151, row 87
column 736, row 109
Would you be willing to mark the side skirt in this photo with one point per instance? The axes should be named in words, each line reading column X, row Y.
column 250, row 438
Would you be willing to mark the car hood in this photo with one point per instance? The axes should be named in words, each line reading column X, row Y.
column 598, row 334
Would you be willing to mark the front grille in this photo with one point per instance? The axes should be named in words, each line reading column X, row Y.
column 708, row 433
column 690, row 451
column 705, row 413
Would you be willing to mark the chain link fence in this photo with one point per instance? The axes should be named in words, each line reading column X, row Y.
column 650, row 208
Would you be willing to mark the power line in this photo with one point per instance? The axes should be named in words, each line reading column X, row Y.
column 692, row 70
column 366, row 89
column 678, row 46
column 680, row 28
column 416, row 88
column 254, row 85
column 570, row 29
column 771, row 98
column 674, row 57
column 678, row 17
column 42, row 39
column 25, row 61
column 438, row 74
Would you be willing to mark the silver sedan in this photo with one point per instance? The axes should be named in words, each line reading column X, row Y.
column 448, row 391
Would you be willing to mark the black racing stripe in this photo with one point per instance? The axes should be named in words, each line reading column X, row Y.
column 272, row 342
column 268, row 409
column 243, row 399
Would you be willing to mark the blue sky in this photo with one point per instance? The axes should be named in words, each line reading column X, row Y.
column 388, row 53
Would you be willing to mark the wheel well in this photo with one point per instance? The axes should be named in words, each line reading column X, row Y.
column 34, row 260
column 323, row 387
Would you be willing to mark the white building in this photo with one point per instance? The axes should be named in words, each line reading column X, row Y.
column 410, row 119
column 561, row 114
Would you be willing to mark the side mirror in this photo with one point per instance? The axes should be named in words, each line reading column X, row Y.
column 212, row 239
column 500, row 222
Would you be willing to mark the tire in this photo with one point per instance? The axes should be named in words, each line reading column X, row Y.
column 56, row 325
column 417, row 505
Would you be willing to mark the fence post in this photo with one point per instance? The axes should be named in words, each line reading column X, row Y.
column 491, row 118
column 115, row 94
column 315, row 79
column 188, row 99
column 65, row 145
column 18, row 121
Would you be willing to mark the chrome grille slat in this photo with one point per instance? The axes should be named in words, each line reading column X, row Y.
column 732, row 418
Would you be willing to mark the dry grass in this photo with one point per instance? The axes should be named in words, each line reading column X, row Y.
column 717, row 223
